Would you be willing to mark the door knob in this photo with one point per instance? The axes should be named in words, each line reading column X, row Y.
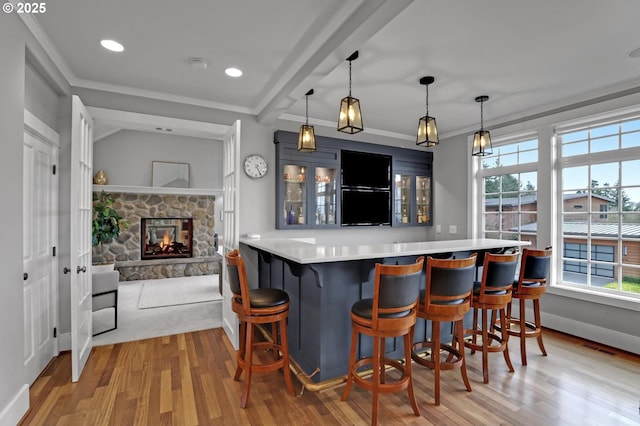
column 79, row 269
column 66, row 270
column 25, row 276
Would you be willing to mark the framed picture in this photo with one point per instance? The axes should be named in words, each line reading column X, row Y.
column 169, row 174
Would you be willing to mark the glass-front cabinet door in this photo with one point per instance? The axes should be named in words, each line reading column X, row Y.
column 294, row 208
column 412, row 199
column 402, row 199
column 325, row 196
column 423, row 199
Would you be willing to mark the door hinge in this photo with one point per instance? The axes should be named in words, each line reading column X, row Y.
column 55, row 331
column 54, row 169
column 54, row 252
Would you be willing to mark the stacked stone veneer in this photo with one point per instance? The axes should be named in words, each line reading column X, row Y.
column 125, row 251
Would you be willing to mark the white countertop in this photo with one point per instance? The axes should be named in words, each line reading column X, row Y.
column 307, row 252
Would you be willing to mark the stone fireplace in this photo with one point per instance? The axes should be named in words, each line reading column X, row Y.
column 171, row 210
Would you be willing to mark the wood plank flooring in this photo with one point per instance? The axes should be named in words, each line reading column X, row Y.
column 187, row 379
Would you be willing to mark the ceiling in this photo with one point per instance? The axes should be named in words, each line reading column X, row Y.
column 528, row 57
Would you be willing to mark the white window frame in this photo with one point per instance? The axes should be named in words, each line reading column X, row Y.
column 590, row 159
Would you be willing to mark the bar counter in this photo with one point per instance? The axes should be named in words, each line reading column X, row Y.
column 323, row 281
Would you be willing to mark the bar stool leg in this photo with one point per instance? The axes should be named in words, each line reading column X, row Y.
column 485, row 344
column 377, row 374
column 247, row 363
column 408, row 341
column 352, row 362
column 505, row 338
column 241, row 350
column 474, row 336
column 284, row 344
column 523, row 335
column 459, row 338
column 435, row 358
column 536, row 312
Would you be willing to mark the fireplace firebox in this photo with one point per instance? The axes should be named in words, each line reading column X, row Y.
column 164, row 238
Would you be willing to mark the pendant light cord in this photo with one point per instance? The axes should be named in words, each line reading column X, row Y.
column 307, row 110
column 427, row 99
column 349, row 78
column 482, row 116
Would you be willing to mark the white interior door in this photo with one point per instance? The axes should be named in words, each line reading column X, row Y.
column 231, row 228
column 39, row 238
column 80, row 252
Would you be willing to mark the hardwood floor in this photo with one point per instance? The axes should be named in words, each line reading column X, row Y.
column 187, row 379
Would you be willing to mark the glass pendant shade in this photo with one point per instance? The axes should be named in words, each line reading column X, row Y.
column 482, row 143
column 306, row 136
column 350, row 117
column 427, row 132
column 427, row 129
column 306, row 139
column 482, row 138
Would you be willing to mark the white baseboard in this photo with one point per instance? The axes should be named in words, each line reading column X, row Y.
column 64, row 342
column 605, row 336
column 228, row 329
column 16, row 409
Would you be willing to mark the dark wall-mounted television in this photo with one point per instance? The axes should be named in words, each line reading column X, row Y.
column 365, row 170
column 365, row 207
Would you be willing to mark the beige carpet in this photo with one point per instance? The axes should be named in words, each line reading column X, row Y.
column 138, row 324
column 179, row 291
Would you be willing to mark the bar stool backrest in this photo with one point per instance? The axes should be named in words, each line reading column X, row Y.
column 450, row 281
column 535, row 267
column 396, row 290
column 497, row 279
column 238, row 279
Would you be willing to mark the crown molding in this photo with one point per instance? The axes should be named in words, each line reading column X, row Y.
column 162, row 96
column 48, row 46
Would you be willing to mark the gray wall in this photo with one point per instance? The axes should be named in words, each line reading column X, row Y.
column 126, row 157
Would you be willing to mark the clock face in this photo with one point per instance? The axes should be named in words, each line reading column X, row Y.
column 255, row 166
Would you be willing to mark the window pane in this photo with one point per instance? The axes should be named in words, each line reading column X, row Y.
column 609, row 129
column 492, row 185
column 506, row 149
column 575, row 177
column 572, row 149
column 574, row 136
column 632, row 219
column 628, row 126
column 631, row 140
column 604, row 144
column 528, row 181
column 531, row 144
column 528, row 157
column 631, row 172
column 603, row 176
column 492, row 222
column 509, row 160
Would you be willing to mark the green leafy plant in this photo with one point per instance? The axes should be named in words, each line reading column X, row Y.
column 107, row 223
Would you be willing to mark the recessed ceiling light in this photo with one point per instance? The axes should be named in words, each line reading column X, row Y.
column 233, row 72
column 112, row 45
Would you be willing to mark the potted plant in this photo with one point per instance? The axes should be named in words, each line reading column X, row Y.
column 107, row 222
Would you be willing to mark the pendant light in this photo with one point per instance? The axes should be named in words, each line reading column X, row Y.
column 307, row 137
column 427, row 129
column 350, row 117
column 482, row 138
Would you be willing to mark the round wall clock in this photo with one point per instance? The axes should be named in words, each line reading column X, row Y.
column 255, row 166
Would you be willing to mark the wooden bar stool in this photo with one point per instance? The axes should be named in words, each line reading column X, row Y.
column 391, row 313
column 446, row 298
column 531, row 285
column 492, row 294
column 258, row 306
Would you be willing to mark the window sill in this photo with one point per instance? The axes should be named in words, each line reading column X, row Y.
column 618, row 301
